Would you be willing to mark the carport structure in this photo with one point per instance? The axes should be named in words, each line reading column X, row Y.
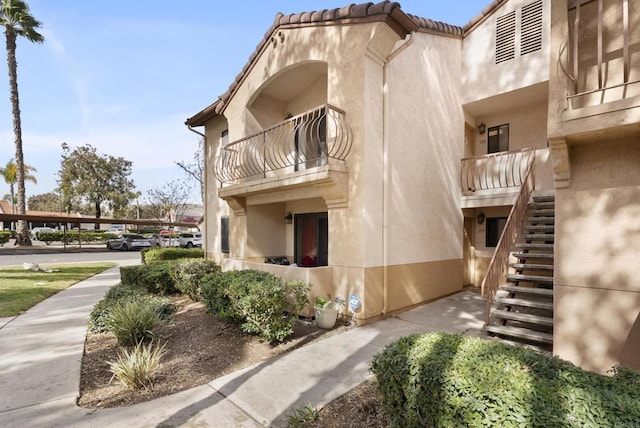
column 65, row 221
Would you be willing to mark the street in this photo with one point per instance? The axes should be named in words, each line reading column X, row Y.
column 10, row 255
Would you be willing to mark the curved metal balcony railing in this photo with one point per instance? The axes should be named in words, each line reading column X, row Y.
column 495, row 171
column 308, row 140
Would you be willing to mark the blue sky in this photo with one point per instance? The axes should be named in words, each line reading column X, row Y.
column 124, row 75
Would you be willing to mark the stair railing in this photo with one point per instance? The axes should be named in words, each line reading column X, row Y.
column 498, row 265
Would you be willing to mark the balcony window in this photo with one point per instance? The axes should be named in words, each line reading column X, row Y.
column 498, row 140
column 311, row 239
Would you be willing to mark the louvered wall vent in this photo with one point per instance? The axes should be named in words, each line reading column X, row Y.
column 506, row 37
column 531, row 38
column 522, row 32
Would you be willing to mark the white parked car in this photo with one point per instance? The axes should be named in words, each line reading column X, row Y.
column 164, row 241
column 190, row 240
column 36, row 230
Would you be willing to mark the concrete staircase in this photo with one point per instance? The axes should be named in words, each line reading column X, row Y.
column 523, row 308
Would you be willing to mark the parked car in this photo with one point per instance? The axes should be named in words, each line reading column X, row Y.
column 189, row 240
column 128, row 241
column 37, row 230
column 164, row 241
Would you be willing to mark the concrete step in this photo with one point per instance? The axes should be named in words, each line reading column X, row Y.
column 523, row 333
column 538, row 205
column 518, row 316
column 510, row 301
column 531, row 266
column 541, row 220
column 539, row 228
column 548, row 237
column 534, row 246
column 544, row 198
column 522, row 256
column 536, row 279
column 550, row 212
column 527, row 290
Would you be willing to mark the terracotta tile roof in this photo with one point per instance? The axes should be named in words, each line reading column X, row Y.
column 388, row 11
column 479, row 18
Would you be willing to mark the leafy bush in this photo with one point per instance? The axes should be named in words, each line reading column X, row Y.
column 4, row 237
column 132, row 321
column 152, row 255
column 213, row 292
column 267, row 304
column 448, row 380
column 187, row 275
column 155, row 278
column 98, row 319
column 136, row 369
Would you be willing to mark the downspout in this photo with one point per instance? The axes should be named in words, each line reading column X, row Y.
column 204, row 149
column 385, row 172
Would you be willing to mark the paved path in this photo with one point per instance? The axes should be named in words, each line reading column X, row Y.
column 42, row 350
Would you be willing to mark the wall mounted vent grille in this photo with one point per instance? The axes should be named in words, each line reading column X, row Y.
column 506, row 37
column 531, row 28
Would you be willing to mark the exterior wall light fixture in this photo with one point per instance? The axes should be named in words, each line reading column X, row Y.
column 288, row 219
column 480, row 218
column 482, row 128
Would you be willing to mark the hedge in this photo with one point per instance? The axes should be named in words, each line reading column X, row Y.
column 152, row 255
column 155, row 278
column 187, row 275
column 441, row 379
column 5, row 235
column 261, row 302
column 87, row 236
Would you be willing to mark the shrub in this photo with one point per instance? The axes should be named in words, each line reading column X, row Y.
column 448, row 380
column 152, row 255
column 155, row 278
column 98, row 319
column 267, row 304
column 4, row 237
column 213, row 292
column 187, row 275
column 132, row 321
column 136, row 369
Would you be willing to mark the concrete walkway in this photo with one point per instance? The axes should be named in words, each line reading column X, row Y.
column 42, row 350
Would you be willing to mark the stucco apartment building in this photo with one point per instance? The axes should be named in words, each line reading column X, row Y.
column 397, row 159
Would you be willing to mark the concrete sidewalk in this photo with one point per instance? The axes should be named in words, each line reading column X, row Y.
column 42, row 350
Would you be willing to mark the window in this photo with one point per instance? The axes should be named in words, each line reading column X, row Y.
column 224, row 138
column 498, row 140
column 311, row 139
column 311, row 239
column 495, row 225
column 224, row 234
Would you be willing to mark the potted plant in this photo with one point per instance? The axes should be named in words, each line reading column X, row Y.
column 326, row 311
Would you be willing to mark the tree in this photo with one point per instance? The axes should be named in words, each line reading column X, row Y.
column 195, row 170
column 88, row 177
column 16, row 19
column 10, row 175
column 45, row 202
column 168, row 202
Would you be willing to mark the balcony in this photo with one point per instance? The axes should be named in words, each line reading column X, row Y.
column 495, row 171
column 316, row 138
column 602, row 65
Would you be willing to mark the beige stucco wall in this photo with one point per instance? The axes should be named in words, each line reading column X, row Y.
column 484, row 78
column 597, row 291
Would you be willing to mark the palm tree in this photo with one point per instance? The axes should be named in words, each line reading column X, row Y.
column 10, row 175
column 16, row 19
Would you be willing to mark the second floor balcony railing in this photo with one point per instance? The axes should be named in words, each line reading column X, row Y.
column 495, row 171
column 311, row 139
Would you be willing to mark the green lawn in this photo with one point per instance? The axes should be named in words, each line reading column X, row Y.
column 21, row 289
